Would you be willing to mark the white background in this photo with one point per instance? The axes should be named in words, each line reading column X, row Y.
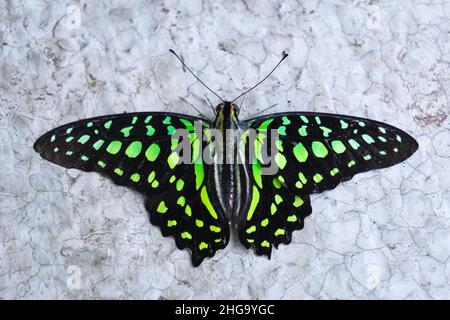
column 69, row 234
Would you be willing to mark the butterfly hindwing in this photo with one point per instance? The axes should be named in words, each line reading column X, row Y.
column 136, row 150
column 313, row 152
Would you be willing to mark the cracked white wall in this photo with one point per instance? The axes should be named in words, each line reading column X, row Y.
column 68, row 234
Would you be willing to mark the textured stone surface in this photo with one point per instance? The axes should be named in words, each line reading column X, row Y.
column 68, row 234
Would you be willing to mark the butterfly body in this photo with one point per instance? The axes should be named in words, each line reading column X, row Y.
column 228, row 175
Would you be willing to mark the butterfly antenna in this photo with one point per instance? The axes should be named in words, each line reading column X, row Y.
column 184, row 65
column 284, row 57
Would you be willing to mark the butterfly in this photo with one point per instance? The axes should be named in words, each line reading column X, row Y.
column 200, row 203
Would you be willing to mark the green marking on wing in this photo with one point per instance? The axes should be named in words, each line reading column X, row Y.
column 254, row 202
column 205, row 200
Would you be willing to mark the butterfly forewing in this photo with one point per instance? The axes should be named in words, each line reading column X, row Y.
column 137, row 151
column 313, row 153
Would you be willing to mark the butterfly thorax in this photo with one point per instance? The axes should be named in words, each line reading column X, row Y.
column 228, row 175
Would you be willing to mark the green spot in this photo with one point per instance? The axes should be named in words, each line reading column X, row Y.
column 114, row 147
column 280, row 160
column 382, row 139
column 286, row 120
column 69, row 152
column 151, row 176
column 338, row 146
column 292, row 218
column 250, row 240
column 199, row 223
column 134, row 149
column 179, row 185
column 351, row 164
column 264, row 222
column 69, row 139
column 108, row 124
column 152, row 152
column 344, row 125
column 172, row 179
column 126, row 131
column 170, row 130
column 279, row 232
column 118, row 171
column 282, row 130
column 203, row 246
column 215, row 229
column 84, row 138
column 319, row 149
column 150, row 130
column 101, row 164
column 382, row 130
column 84, row 158
column 155, row 184
column 361, row 124
column 199, row 175
column 395, row 149
column 353, row 144
column 174, row 144
column 399, row 139
column 135, row 177
column 205, row 199
column 298, row 185
column 56, row 149
column 218, row 240
column 304, row 119
column 98, row 144
column 273, row 208
column 96, row 131
column 298, row 201
column 189, row 126
column 265, row 124
column 89, row 124
column 302, row 177
column 251, row 229
column 367, row 157
column 171, row 223
column 317, row 120
column 254, row 202
column 300, row 152
column 276, row 183
column 334, row 171
column 325, row 131
column 69, row 130
column 186, row 235
column 302, row 131
column 162, row 207
column 173, row 159
column 256, row 169
column 181, row 201
column 147, row 119
column 367, row 138
column 383, row 153
column 281, row 179
column 167, row 120
column 188, row 210
column 265, row 243
column 278, row 199
column 134, row 120
column 53, row 138
column 318, row 177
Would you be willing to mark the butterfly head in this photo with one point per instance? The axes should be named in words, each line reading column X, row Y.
column 227, row 109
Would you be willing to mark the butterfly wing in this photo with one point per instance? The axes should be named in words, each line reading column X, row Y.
column 137, row 150
column 313, row 152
